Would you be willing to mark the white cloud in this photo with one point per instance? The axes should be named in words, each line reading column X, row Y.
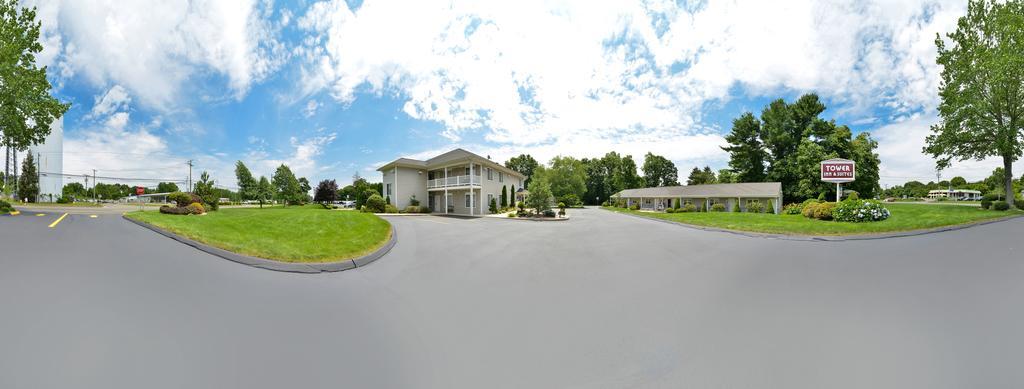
column 152, row 47
column 311, row 107
column 302, row 157
column 558, row 77
column 115, row 99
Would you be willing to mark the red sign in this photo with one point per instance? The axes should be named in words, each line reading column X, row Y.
column 838, row 170
column 139, row 190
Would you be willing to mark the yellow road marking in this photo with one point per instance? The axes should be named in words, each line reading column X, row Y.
column 15, row 213
column 40, row 214
column 54, row 224
column 92, row 216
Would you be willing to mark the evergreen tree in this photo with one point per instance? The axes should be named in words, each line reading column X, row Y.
column 264, row 191
column 746, row 153
column 504, row 196
column 28, row 182
column 286, row 185
column 248, row 187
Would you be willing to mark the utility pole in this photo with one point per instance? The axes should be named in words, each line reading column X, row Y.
column 39, row 176
column 94, row 194
column 190, row 176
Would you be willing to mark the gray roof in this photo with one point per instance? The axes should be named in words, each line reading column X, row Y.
column 743, row 189
column 454, row 155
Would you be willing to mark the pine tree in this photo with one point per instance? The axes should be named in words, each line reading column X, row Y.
column 28, row 183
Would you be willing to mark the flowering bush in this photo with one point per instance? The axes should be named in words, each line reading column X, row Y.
column 860, row 211
column 793, row 209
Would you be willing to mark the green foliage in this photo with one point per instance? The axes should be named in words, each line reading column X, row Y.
column 736, row 206
column 718, row 207
column 206, row 191
column 747, row 155
column 326, row 192
column 387, row 199
column 196, row 208
column 609, row 175
column 854, row 210
column 823, row 211
column 375, row 203
column 982, row 94
column 571, row 200
column 264, row 190
column 493, row 206
column 853, row 196
column 771, row 207
column 561, row 209
column 248, row 187
column 523, row 164
column 688, row 208
column 5, row 207
column 659, row 171
column 27, row 108
column 540, row 193
column 701, row 177
column 821, row 196
column 727, row 176
column 28, row 182
column 635, row 207
column 755, row 207
column 792, row 209
column 413, row 201
column 286, row 187
column 504, row 196
column 64, row 200
column 166, row 187
column 173, row 210
column 566, row 176
column 182, row 199
column 1000, row 205
column 389, row 208
column 671, row 210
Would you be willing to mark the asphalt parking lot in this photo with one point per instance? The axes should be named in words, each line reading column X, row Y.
column 601, row 301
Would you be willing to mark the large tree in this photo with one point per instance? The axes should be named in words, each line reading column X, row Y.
column 166, row 187
column 264, row 190
column 74, row 190
column 248, row 187
column 28, row 182
column 982, row 91
column 304, row 189
column 567, row 177
column 286, row 186
column 326, row 192
column 26, row 107
column 659, row 171
column 523, row 164
column 746, row 153
column 701, row 177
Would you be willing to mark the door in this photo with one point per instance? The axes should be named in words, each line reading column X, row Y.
column 433, row 203
column 451, row 202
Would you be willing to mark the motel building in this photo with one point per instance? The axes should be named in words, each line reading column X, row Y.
column 660, row 198
column 955, row 194
column 456, row 183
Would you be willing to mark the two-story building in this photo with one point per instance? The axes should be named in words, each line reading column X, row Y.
column 457, row 182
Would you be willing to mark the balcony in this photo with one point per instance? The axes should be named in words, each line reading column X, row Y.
column 453, row 181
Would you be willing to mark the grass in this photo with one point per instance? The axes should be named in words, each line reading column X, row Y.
column 905, row 217
column 293, row 234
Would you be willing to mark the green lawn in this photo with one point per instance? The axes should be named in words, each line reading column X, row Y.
column 293, row 234
column 905, row 217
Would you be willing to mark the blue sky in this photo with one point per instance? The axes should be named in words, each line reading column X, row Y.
column 334, row 88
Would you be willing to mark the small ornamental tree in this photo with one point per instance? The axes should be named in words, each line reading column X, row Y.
column 264, row 190
column 736, row 206
column 504, row 196
column 326, row 193
column 771, row 207
column 28, row 183
column 375, row 204
column 493, row 206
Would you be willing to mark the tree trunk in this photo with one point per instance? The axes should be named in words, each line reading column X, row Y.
column 1008, row 179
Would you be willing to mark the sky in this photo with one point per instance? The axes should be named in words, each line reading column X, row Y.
column 337, row 88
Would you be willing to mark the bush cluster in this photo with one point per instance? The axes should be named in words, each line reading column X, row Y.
column 853, row 210
column 635, row 207
column 986, row 200
column 183, row 199
column 549, row 213
column 389, row 208
column 5, row 207
column 1000, row 205
column 191, row 209
column 755, row 207
column 374, row 204
column 63, row 200
column 718, row 207
column 818, row 210
column 793, row 209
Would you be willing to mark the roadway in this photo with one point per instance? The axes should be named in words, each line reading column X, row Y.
column 602, row 301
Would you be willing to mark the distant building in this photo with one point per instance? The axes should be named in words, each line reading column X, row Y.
column 955, row 194
column 704, row 196
column 49, row 157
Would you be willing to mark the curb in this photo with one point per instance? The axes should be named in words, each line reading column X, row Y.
column 268, row 264
column 828, row 238
column 526, row 219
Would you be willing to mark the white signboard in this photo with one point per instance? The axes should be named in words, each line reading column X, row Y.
column 838, row 170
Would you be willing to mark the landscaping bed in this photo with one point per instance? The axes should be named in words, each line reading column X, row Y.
column 305, row 234
column 904, row 217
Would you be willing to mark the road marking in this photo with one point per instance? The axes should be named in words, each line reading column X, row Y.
column 54, row 224
column 40, row 214
column 92, row 216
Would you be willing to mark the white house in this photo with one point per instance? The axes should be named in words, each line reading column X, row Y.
column 704, row 196
column 457, row 182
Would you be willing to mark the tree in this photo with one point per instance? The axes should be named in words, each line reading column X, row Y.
column 304, row 189
column 727, row 176
column 326, row 192
column 747, row 155
column 74, row 190
column 523, row 164
column 204, row 188
column 248, row 187
column 504, row 196
column 958, row 182
column 981, row 107
column 540, row 194
column 264, row 191
column 659, row 171
column 286, row 186
column 566, row 176
column 26, row 107
column 701, row 177
column 166, row 187
column 28, row 183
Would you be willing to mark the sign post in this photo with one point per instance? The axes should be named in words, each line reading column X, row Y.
column 839, row 171
column 139, row 191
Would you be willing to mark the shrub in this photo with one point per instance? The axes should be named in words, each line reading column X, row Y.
column 821, row 197
column 412, row 209
column 859, row 211
column 388, row 208
column 174, row 210
column 605, row 203
column 718, row 207
column 63, row 200
column 183, row 199
column 1000, row 205
column 853, row 196
column 196, row 209
column 561, row 209
column 493, row 206
column 809, row 209
column 211, row 202
column 771, row 207
column 675, row 203
column 755, row 207
column 375, row 204
column 688, row 208
column 793, row 209
column 824, row 211
column 387, row 200
column 424, row 209
column 670, row 210
column 549, row 213
column 736, row 206
column 6, row 207
column 511, row 214
column 413, row 201
column 635, row 207
column 985, row 203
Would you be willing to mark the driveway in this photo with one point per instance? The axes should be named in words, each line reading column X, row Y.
column 601, row 301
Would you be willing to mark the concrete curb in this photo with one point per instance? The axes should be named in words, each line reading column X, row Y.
column 828, row 238
column 529, row 219
column 268, row 264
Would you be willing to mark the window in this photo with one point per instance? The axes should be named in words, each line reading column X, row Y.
column 389, row 190
column 490, row 177
column 501, row 177
column 467, row 170
column 469, row 204
column 490, row 197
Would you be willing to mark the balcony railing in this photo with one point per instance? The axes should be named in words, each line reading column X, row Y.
column 453, row 181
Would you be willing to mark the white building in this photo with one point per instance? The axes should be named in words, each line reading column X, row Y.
column 49, row 157
column 955, row 194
